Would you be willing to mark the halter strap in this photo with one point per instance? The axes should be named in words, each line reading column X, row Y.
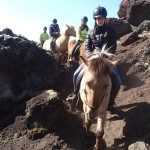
column 94, row 107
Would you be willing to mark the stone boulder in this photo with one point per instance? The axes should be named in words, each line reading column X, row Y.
column 24, row 66
column 7, row 31
column 129, row 38
column 121, row 26
column 140, row 145
column 144, row 26
column 134, row 11
column 44, row 113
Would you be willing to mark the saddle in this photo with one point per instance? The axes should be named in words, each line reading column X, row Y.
column 77, row 52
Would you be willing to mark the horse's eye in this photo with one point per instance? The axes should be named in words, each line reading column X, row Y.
column 89, row 83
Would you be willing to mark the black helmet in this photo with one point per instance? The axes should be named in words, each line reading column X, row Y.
column 84, row 19
column 54, row 20
column 45, row 28
column 99, row 12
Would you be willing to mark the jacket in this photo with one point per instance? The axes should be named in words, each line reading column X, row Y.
column 99, row 36
column 44, row 36
column 52, row 29
column 82, row 33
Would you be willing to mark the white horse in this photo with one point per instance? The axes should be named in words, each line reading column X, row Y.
column 61, row 43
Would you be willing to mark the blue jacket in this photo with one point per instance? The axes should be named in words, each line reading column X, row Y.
column 52, row 29
column 99, row 36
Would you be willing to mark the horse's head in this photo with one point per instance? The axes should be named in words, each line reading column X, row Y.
column 70, row 30
column 96, row 79
column 98, row 65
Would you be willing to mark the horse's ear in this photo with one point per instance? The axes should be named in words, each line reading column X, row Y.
column 116, row 62
column 113, row 64
column 110, row 64
column 84, row 60
column 67, row 26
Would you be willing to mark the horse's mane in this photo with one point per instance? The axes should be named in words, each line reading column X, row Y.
column 99, row 64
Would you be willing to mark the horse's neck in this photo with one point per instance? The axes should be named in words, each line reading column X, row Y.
column 64, row 39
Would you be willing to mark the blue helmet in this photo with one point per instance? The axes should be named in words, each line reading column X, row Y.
column 84, row 19
column 99, row 12
column 54, row 20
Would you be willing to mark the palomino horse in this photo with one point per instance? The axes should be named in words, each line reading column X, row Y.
column 61, row 43
column 81, row 50
column 95, row 91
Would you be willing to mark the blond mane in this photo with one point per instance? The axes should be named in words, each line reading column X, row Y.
column 99, row 65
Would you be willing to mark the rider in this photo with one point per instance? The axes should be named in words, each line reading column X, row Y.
column 54, row 32
column 101, row 34
column 44, row 36
column 82, row 33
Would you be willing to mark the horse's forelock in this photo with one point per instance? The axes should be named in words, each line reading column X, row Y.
column 105, row 51
column 97, row 65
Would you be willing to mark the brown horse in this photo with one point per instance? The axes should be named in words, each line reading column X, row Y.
column 95, row 91
column 61, row 43
column 71, row 44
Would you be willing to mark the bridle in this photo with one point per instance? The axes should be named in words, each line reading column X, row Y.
column 94, row 107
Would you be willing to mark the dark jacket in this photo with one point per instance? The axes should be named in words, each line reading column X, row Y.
column 99, row 36
column 52, row 29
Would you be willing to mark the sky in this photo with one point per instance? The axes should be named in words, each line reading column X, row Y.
column 28, row 17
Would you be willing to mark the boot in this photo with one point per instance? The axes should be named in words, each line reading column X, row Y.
column 73, row 98
column 52, row 45
column 113, row 94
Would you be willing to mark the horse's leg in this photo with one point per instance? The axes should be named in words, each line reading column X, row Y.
column 87, row 122
column 58, row 57
column 68, row 58
column 100, row 131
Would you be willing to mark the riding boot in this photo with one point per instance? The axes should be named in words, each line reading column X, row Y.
column 75, row 95
column 76, row 82
column 114, row 91
column 52, row 45
column 42, row 42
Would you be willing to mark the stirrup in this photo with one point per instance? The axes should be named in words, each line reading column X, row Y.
column 70, row 59
column 71, row 97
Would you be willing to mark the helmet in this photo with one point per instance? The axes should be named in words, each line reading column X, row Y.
column 84, row 19
column 99, row 12
column 45, row 28
column 54, row 20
